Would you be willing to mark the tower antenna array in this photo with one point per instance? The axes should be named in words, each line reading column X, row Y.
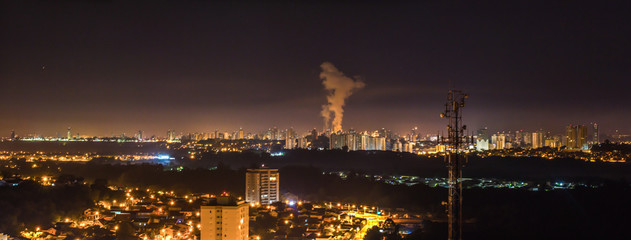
column 454, row 146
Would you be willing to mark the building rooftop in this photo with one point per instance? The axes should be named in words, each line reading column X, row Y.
column 224, row 200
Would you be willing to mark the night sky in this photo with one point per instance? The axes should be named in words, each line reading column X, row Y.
column 108, row 67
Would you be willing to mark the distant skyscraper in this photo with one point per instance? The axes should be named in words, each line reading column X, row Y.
column 397, row 146
column 291, row 133
column 552, row 142
column 537, row 140
column 415, row 133
column 139, row 135
column 595, row 138
column 407, row 146
column 262, row 186
column 274, row 134
column 240, row 133
column 498, row 141
column 69, row 134
column 12, row 134
column 170, row 135
column 582, row 137
column 290, row 143
column 336, row 141
column 268, row 134
column 519, row 138
column 302, row 143
column 527, row 138
column 570, row 136
column 576, row 137
column 355, row 141
column 225, row 219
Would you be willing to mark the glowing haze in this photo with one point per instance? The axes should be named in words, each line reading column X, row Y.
column 339, row 88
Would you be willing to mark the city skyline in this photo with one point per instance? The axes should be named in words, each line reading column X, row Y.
column 209, row 66
column 241, row 133
column 339, row 120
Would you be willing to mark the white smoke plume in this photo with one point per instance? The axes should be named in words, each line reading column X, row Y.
column 340, row 87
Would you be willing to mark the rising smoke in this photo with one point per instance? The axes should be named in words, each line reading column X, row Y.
column 340, row 87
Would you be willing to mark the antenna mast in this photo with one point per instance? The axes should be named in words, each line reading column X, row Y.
column 454, row 147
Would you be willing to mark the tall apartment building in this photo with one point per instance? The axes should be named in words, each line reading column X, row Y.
column 537, row 140
column 240, row 134
column 261, row 186
column 225, row 218
column 576, row 137
column 595, row 137
column 498, row 141
column 357, row 141
column 290, row 143
column 170, row 135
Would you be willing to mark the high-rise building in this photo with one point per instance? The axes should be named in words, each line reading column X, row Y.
column 576, row 137
column 537, row 140
column 139, row 135
column 519, row 138
column 582, row 137
column 357, row 141
column 380, row 143
column 290, row 139
column 262, row 186
column 498, row 141
column 302, row 143
column 527, row 138
column 291, row 133
column 12, row 134
column 595, row 137
column 225, row 218
column 414, row 134
column 570, row 136
column 397, row 146
column 314, row 134
column 336, row 141
column 69, row 134
column 170, row 135
column 274, row 134
column 552, row 143
column 407, row 146
column 241, row 133
column 290, row 143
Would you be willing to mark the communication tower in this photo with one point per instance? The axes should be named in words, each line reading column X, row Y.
column 454, row 146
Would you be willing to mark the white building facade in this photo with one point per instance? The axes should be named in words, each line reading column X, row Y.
column 262, row 186
column 226, row 220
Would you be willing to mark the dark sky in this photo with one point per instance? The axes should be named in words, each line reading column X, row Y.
column 107, row 67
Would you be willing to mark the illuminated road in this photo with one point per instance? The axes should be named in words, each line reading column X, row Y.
column 371, row 221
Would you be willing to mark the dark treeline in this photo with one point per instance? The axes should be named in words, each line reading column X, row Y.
column 151, row 176
column 396, row 163
column 608, row 146
column 30, row 205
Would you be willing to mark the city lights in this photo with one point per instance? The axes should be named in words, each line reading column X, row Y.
column 293, row 120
